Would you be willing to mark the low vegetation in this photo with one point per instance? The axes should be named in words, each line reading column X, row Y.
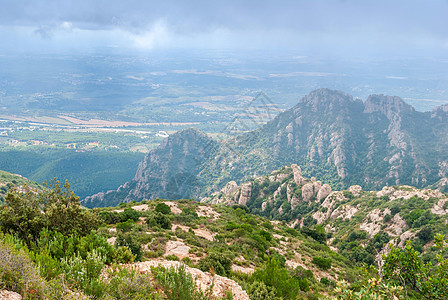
column 52, row 247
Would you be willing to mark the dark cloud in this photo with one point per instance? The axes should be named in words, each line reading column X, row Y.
column 412, row 23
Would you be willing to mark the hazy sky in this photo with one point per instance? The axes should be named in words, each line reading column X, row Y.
column 351, row 27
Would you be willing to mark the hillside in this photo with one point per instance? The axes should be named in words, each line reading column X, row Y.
column 333, row 137
column 316, row 247
column 228, row 250
column 360, row 223
column 9, row 181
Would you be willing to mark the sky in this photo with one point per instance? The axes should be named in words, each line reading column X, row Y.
column 340, row 27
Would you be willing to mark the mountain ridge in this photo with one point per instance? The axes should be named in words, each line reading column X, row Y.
column 338, row 139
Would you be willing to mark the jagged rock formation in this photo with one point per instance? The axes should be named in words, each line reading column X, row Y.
column 393, row 215
column 340, row 140
column 170, row 171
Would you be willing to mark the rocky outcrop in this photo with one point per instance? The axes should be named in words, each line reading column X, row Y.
column 355, row 190
column 7, row 295
column 204, row 280
column 170, row 171
column 407, row 192
column 346, row 212
column 245, row 193
column 297, row 172
column 307, row 191
column 324, row 191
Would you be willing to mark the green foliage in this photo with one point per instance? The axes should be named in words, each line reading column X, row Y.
column 56, row 208
column 322, row 262
column 85, row 273
column 18, row 273
column 379, row 240
column 404, row 276
column 177, row 284
column 110, row 217
column 163, row 208
column 317, row 232
column 278, row 279
column 258, row 290
column 129, row 284
column 267, row 225
column 404, row 267
column 216, row 263
column 129, row 214
column 130, row 240
column 159, row 220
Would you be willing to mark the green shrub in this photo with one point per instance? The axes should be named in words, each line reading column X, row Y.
column 177, row 284
column 85, row 273
column 129, row 284
column 110, row 217
column 18, row 273
column 130, row 240
column 321, row 262
column 258, row 290
column 123, row 255
column 129, row 214
column 267, row 225
column 125, row 226
column 216, row 262
column 56, row 208
column 163, row 208
column 273, row 275
column 172, row 257
column 159, row 220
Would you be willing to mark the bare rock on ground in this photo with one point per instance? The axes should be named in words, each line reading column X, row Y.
column 203, row 279
column 7, row 295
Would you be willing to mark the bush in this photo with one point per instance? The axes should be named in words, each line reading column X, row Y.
column 267, row 225
column 18, row 273
column 317, row 233
column 159, row 220
column 163, row 208
column 129, row 214
column 129, row 284
column 177, row 284
column 273, row 275
column 56, row 208
column 130, row 240
column 216, row 262
column 172, row 257
column 258, row 290
column 125, row 226
column 321, row 262
column 85, row 273
column 110, row 217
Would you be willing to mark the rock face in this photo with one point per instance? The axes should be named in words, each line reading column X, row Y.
column 382, row 141
column 170, row 171
column 307, row 191
column 324, row 191
column 297, row 174
column 245, row 193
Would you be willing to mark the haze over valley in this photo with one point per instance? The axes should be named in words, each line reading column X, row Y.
column 223, row 149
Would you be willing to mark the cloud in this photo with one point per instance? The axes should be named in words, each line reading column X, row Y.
column 340, row 25
column 158, row 35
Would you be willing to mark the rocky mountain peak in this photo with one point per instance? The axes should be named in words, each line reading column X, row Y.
column 440, row 112
column 326, row 100
column 387, row 105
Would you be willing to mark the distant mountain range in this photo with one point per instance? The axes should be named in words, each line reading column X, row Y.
column 331, row 136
